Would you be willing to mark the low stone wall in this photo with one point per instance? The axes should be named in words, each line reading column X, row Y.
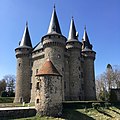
column 17, row 113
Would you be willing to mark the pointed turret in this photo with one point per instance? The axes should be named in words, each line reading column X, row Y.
column 73, row 35
column 23, row 79
column 54, row 24
column 73, row 46
column 73, row 41
column 26, row 41
column 88, row 56
column 85, row 41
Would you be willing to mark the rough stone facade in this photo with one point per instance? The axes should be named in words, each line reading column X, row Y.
column 49, row 95
column 23, row 75
column 73, row 59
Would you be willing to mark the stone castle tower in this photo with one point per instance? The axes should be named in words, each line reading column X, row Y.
column 23, row 55
column 73, row 60
column 48, row 99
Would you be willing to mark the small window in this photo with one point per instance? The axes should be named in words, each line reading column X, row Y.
column 65, row 84
column 37, row 100
column 37, row 85
column 81, row 74
column 19, row 64
column 36, row 71
column 79, row 68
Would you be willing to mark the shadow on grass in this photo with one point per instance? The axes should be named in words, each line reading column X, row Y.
column 114, row 111
column 118, row 107
column 103, row 112
column 72, row 114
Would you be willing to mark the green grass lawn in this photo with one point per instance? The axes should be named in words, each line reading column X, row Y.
column 111, row 113
column 72, row 111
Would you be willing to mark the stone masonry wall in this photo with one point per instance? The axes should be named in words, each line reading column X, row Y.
column 75, row 74
column 22, row 92
column 89, row 79
column 66, row 78
column 54, row 48
column 49, row 96
column 37, row 63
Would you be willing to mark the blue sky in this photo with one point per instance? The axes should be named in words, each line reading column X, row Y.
column 101, row 17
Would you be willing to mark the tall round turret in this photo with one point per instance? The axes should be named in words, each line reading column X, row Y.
column 74, row 48
column 54, row 45
column 88, row 67
column 23, row 77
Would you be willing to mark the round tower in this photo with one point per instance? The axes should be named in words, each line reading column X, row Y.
column 74, row 48
column 54, row 45
column 88, row 66
column 23, row 77
column 48, row 100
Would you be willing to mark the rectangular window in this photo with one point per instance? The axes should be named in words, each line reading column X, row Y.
column 36, row 71
column 65, row 84
column 37, row 100
column 19, row 64
column 81, row 74
column 37, row 86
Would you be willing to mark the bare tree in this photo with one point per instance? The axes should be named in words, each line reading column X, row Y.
column 107, row 80
column 3, row 86
column 10, row 80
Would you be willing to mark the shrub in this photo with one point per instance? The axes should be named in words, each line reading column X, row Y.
column 4, row 94
column 107, row 105
column 96, row 105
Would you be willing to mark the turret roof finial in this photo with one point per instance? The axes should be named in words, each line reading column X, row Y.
column 26, row 23
column 54, row 5
column 72, row 18
column 85, row 28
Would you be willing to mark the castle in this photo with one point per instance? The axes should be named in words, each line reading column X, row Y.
column 56, row 69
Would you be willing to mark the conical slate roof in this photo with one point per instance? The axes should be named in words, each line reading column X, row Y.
column 26, row 41
column 48, row 69
column 85, row 36
column 85, row 40
column 72, row 32
column 54, row 24
column 38, row 46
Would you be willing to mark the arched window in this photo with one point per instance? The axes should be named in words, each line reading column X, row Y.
column 37, row 101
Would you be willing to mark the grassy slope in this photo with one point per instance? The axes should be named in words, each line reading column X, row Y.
column 112, row 113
